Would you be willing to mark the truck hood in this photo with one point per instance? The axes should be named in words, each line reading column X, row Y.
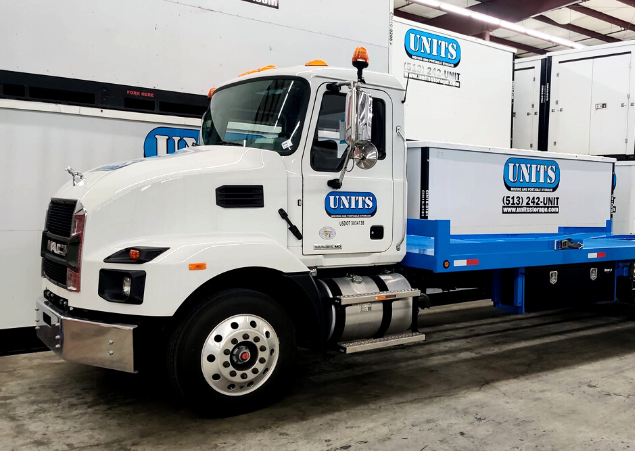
column 180, row 194
column 105, row 183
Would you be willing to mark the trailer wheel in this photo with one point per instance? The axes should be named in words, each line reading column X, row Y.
column 231, row 355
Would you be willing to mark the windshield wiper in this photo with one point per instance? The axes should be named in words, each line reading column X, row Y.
column 228, row 143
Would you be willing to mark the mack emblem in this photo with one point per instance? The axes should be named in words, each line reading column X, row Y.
column 56, row 248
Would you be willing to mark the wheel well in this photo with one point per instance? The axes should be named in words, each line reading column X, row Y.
column 296, row 293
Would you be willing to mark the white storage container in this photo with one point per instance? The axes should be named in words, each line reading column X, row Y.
column 459, row 87
column 485, row 190
column 624, row 216
column 577, row 101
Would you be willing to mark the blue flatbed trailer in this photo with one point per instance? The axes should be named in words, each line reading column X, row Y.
column 509, row 258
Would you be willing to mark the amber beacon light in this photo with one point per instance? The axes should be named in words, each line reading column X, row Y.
column 360, row 62
column 360, row 55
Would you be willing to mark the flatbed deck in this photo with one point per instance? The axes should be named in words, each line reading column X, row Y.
column 431, row 246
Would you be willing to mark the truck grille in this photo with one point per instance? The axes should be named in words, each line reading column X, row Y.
column 59, row 218
column 56, row 272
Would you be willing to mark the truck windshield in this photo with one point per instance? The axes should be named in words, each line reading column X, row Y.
column 265, row 113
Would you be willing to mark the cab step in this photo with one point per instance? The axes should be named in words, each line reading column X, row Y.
column 352, row 299
column 351, row 347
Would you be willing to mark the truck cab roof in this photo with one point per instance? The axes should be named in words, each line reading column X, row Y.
column 375, row 79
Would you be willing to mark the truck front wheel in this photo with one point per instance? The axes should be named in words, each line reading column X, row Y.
column 231, row 354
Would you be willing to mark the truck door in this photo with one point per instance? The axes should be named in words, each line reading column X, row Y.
column 358, row 217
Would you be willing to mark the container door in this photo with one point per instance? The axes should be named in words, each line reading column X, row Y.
column 570, row 112
column 359, row 216
column 609, row 105
column 526, row 102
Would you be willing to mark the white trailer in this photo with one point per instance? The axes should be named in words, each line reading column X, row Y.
column 577, row 101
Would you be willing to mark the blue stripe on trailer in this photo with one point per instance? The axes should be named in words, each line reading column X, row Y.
column 430, row 245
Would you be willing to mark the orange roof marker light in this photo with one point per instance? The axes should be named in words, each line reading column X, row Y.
column 360, row 54
column 260, row 69
column 211, row 93
column 360, row 62
column 316, row 63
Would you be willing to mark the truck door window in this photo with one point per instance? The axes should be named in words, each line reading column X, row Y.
column 327, row 151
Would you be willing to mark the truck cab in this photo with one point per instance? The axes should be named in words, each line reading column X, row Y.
column 282, row 226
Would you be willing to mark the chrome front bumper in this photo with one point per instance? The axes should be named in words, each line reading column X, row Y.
column 88, row 342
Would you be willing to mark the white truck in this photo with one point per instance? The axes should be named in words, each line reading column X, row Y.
column 287, row 225
column 108, row 100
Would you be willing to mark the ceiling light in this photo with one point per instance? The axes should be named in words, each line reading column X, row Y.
column 450, row 8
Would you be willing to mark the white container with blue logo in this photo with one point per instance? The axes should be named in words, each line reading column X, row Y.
column 486, row 190
column 459, row 87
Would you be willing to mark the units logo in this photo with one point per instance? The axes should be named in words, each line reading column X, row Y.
column 432, row 48
column 528, row 175
column 350, row 204
column 166, row 140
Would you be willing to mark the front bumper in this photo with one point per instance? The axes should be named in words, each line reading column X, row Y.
column 88, row 342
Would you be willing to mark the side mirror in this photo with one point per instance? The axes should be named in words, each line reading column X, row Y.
column 359, row 117
column 358, row 124
column 365, row 155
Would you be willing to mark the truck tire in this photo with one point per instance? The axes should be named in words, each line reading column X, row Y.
column 231, row 354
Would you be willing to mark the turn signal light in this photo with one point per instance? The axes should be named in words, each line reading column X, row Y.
column 360, row 54
column 134, row 254
column 210, row 93
column 197, row 266
column 316, row 63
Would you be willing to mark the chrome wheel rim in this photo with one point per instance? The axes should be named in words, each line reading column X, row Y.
column 240, row 355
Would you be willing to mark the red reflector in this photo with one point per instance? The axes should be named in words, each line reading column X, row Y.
column 601, row 254
column 473, row 261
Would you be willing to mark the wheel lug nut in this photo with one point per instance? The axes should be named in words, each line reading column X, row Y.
column 263, row 348
column 254, row 370
column 256, row 339
column 226, row 364
column 234, row 341
column 243, row 376
column 261, row 360
column 226, row 352
column 245, row 336
column 232, row 373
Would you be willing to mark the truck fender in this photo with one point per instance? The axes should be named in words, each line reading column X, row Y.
column 191, row 261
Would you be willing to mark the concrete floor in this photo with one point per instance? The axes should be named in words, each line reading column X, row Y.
column 484, row 380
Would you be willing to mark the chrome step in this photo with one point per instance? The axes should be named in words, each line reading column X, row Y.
column 351, row 347
column 350, row 299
